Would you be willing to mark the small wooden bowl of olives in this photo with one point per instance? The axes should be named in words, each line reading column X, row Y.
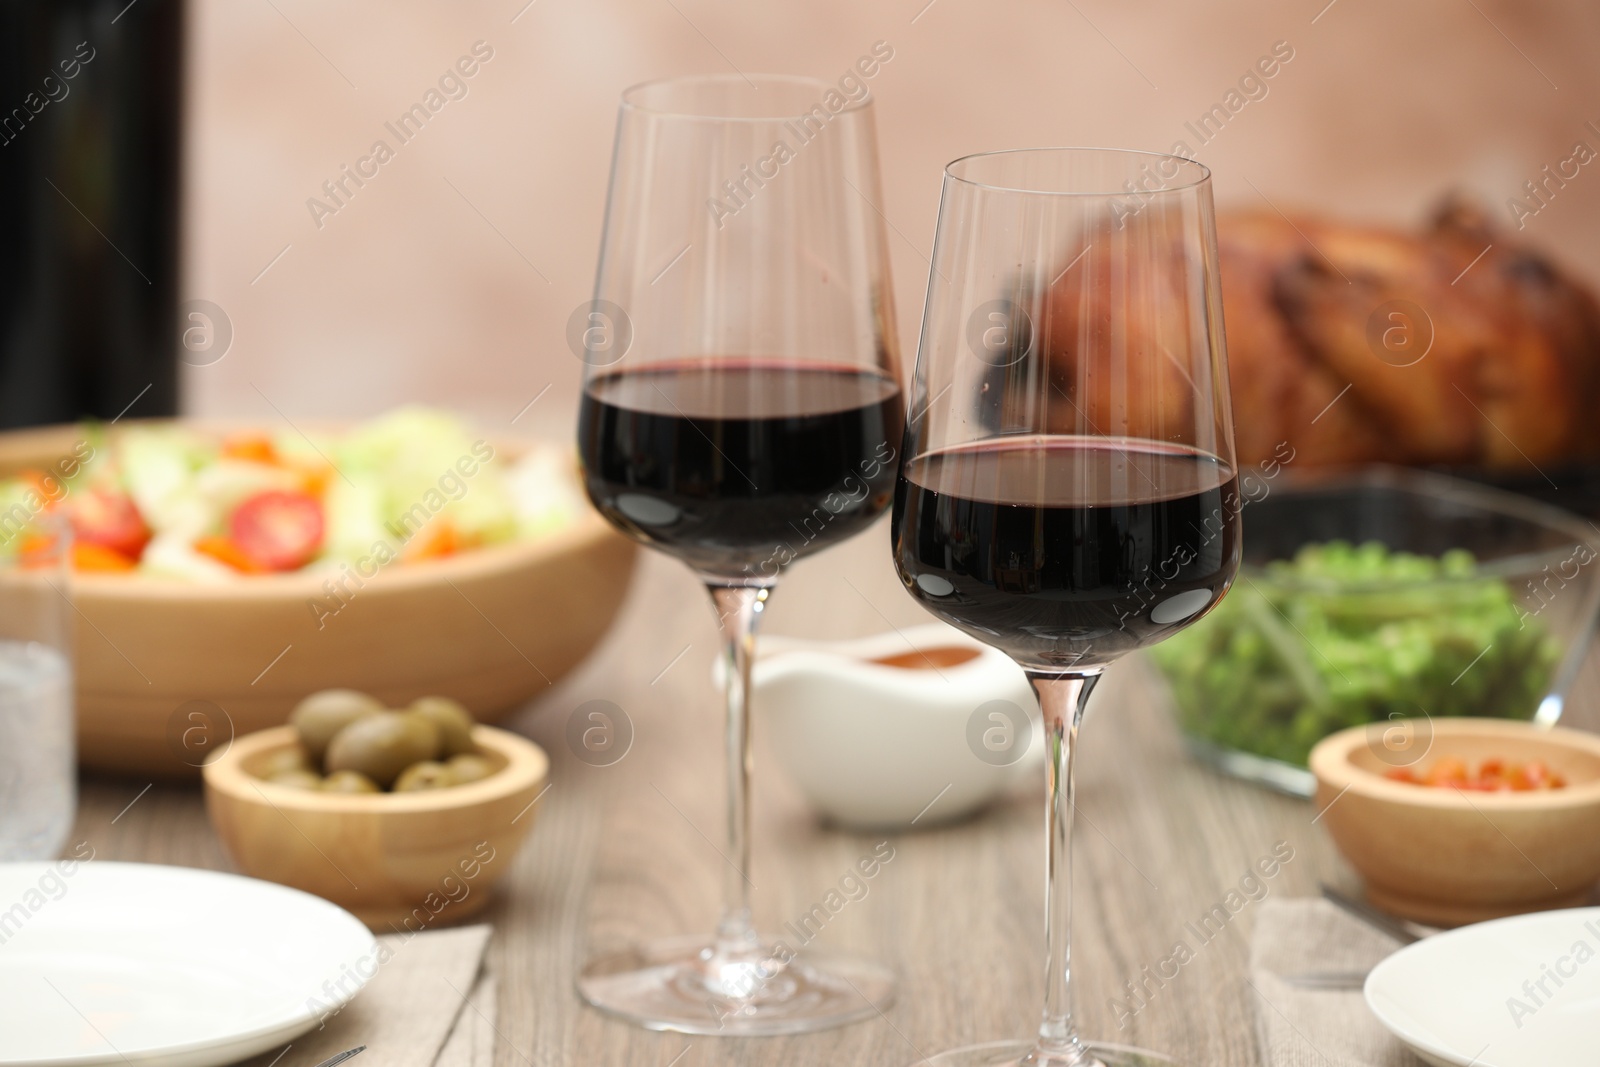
column 405, row 817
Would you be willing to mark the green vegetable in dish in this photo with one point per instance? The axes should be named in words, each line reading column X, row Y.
column 367, row 748
column 285, row 760
column 453, row 722
column 320, row 716
column 469, row 767
column 297, row 779
column 383, row 744
column 423, row 776
column 1344, row 635
column 349, row 782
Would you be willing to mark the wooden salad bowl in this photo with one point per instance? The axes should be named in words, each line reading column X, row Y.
column 168, row 672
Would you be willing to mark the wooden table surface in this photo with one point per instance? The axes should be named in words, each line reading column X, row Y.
column 633, row 850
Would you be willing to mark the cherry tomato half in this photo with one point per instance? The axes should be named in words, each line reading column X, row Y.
column 279, row 530
column 109, row 518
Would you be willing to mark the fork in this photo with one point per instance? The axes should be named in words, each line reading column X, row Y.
column 1402, row 930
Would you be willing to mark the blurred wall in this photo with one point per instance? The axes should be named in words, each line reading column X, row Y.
column 449, row 275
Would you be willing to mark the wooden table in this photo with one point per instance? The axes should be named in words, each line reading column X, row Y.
column 633, row 849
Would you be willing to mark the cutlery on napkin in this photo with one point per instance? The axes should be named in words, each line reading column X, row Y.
column 1308, row 1012
column 334, row 1061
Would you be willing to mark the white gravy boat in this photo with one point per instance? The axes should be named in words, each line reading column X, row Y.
column 920, row 739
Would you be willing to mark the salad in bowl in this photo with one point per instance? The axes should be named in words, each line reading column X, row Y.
column 225, row 572
column 176, row 500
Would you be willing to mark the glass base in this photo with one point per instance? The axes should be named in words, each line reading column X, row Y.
column 1021, row 1054
column 680, row 984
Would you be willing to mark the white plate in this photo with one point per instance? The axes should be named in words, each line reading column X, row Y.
column 1473, row 995
column 111, row 963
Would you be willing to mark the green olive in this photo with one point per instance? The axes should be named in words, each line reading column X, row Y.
column 382, row 745
column 469, row 767
column 285, row 759
column 320, row 716
column 349, row 782
column 455, row 723
column 426, row 724
column 297, row 779
column 424, row 775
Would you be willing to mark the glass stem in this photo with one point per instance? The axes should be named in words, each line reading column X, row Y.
column 1062, row 699
column 739, row 609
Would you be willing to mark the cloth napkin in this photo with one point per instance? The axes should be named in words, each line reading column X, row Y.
column 430, row 1005
column 1303, row 1027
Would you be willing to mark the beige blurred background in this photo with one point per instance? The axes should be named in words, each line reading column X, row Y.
column 449, row 277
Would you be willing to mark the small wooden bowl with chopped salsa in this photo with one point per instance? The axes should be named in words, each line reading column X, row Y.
column 1453, row 821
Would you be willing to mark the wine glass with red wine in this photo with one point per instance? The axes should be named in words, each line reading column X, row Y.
column 1067, row 490
column 741, row 410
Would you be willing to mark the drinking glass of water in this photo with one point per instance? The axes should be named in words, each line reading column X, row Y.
column 37, row 782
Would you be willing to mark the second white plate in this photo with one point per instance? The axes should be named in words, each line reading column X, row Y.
column 105, row 963
column 1516, row 992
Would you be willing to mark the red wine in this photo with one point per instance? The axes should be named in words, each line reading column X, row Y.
column 739, row 467
column 1066, row 551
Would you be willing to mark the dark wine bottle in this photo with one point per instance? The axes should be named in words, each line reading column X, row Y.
column 90, row 136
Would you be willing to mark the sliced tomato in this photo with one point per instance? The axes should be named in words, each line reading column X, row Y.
column 225, row 551
column 91, row 557
column 278, row 530
column 109, row 518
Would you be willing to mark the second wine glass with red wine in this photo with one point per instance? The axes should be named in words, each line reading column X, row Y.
column 1067, row 491
column 741, row 410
